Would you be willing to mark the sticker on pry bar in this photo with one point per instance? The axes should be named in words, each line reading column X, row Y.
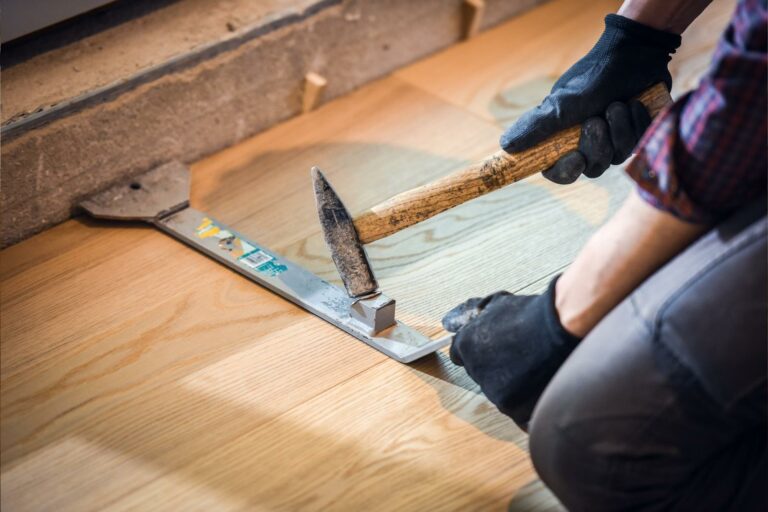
column 262, row 262
column 244, row 252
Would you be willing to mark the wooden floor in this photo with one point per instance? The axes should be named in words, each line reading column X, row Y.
column 138, row 374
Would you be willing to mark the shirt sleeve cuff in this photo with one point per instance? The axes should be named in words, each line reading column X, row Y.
column 653, row 168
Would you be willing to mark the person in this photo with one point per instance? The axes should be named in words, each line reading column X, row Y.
column 640, row 374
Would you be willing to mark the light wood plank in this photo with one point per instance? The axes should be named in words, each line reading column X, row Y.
column 396, row 451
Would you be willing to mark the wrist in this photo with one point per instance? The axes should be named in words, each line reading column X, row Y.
column 635, row 242
column 574, row 306
column 664, row 15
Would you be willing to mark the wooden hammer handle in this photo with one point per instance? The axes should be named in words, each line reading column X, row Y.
column 500, row 169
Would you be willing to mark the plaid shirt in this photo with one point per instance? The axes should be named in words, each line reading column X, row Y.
column 705, row 155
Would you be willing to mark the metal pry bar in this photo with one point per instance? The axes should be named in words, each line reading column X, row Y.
column 161, row 198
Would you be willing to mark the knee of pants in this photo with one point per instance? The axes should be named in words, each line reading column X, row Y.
column 584, row 433
column 565, row 464
column 555, row 459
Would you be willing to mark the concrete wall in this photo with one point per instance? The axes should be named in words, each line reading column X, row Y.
column 209, row 98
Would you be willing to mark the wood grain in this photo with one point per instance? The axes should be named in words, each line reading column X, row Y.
column 498, row 170
column 138, row 374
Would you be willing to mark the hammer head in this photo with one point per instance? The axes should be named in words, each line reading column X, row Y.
column 341, row 237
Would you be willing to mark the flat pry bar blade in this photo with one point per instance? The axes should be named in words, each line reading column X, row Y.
column 165, row 190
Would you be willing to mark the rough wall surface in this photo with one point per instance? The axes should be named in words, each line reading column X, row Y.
column 210, row 99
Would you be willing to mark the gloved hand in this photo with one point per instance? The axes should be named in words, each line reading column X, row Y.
column 596, row 91
column 511, row 345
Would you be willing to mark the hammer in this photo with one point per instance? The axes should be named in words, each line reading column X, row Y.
column 345, row 236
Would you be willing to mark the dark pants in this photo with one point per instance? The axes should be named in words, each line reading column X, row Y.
column 663, row 405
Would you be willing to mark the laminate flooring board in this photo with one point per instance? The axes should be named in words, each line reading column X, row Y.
column 395, row 451
column 117, row 401
column 137, row 373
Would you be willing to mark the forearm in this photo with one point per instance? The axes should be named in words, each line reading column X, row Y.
column 637, row 241
column 668, row 15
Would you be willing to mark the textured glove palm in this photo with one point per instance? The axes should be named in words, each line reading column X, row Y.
column 511, row 345
column 628, row 58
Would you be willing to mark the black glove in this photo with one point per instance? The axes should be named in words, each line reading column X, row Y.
column 628, row 58
column 511, row 345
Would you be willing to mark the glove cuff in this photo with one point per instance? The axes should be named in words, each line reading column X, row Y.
column 543, row 313
column 642, row 33
column 552, row 319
